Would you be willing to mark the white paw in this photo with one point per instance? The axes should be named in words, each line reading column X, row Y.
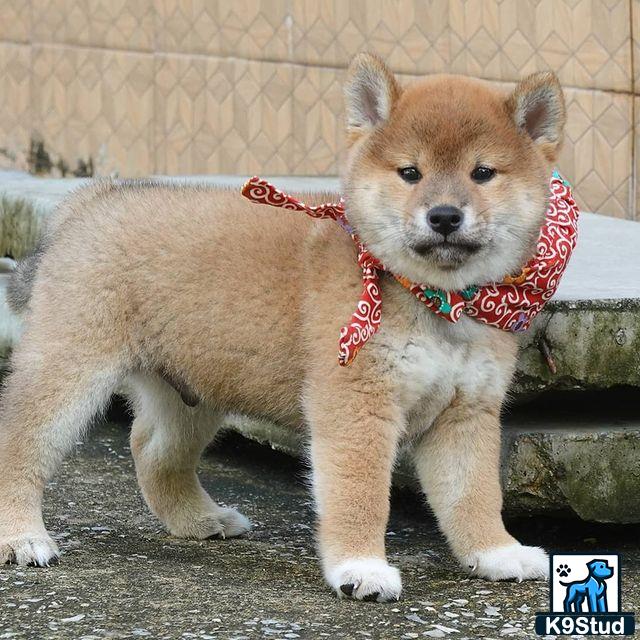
column 513, row 561
column 224, row 522
column 370, row 579
column 29, row 549
column 233, row 523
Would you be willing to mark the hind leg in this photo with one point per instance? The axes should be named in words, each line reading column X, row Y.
column 52, row 393
column 167, row 440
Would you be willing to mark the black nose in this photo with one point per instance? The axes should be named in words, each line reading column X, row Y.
column 445, row 219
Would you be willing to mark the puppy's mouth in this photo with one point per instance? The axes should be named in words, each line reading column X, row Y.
column 447, row 254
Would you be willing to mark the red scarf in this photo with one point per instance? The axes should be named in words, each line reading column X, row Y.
column 510, row 305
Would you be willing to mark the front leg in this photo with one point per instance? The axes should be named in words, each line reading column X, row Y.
column 355, row 432
column 458, row 463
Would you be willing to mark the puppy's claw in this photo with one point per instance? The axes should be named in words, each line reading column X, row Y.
column 51, row 562
column 36, row 550
column 509, row 562
column 220, row 524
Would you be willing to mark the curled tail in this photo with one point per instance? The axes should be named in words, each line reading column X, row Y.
column 21, row 281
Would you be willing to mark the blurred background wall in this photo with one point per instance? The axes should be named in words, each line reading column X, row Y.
column 137, row 87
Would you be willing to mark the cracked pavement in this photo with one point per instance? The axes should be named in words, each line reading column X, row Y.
column 122, row 576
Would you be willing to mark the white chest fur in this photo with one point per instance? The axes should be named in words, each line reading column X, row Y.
column 435, row 361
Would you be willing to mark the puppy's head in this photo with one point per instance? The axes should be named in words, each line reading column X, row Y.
column 447, row 180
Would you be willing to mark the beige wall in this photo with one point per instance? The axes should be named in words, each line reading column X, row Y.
column 238, row 86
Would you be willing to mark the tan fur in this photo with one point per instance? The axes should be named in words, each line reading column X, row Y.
column 469, row 433
column 163, row 290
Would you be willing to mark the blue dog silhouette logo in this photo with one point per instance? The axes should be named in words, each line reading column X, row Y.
column 592, row 590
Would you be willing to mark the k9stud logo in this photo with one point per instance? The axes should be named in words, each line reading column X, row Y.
column 585, row 597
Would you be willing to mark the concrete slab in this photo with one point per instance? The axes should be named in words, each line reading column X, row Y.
column 606, row 254
column 605, row 263
column 122, row 576
column 26, row 201
column 563, row 453
column 600, row 268
column 591, row 332
column 591, row 328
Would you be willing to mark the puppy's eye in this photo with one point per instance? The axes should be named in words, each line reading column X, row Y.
column 410, row 174
column 482, row 174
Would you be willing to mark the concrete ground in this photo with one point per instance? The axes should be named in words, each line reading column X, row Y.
column 588, row 338
column 122, row 576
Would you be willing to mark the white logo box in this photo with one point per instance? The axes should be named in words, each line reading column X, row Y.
column 570, row 567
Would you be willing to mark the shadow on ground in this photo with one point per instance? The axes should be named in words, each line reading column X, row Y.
column 121, row 576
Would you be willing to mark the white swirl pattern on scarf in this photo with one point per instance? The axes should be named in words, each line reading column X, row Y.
column 512, row 307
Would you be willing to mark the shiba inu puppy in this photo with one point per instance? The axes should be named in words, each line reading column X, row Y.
column 196, row 303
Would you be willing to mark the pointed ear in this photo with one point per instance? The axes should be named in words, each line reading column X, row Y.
column 370, row 93
column 537, row 108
